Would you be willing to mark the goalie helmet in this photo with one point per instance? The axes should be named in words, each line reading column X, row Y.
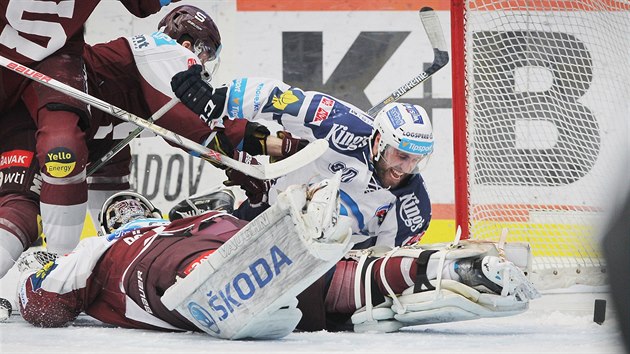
column 124, row 207
column 191, row 23
column 405, row 130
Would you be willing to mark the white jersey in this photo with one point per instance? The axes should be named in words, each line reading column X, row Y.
column 392, row 217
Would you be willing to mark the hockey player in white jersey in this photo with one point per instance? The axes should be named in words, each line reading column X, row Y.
column 379, row 158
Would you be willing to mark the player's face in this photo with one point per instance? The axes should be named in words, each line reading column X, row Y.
column 394, row 166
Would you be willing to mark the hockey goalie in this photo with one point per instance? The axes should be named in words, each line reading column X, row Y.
column 291, row 267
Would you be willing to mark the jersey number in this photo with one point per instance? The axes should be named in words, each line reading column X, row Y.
column 11, row 38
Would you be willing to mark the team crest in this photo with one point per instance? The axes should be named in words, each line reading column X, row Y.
column 288, row 102
column 381, row 212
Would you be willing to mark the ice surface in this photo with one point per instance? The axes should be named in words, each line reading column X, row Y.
column 556, row 323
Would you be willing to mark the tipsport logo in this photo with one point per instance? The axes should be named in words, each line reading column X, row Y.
column 161, row 38
column 415, row 146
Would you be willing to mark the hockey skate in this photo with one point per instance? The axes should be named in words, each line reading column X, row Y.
column 218, row 198
column 495, row 275
column 5, row 309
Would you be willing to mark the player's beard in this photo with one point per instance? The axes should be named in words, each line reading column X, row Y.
column 389, row 177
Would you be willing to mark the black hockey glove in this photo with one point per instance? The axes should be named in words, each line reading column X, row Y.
column 198, row 95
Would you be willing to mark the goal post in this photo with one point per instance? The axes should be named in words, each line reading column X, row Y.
column 541, row 105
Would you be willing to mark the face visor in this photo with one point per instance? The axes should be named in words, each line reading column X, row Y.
column 208, row 56
column 403, row 162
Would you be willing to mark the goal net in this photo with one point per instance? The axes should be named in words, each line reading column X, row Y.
column 541, row 108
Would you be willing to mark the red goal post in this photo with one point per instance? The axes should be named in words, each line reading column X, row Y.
column 540, row 118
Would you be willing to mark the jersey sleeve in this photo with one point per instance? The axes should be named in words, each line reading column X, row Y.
column 57, row 293
column 309, row 115
column 157, row 58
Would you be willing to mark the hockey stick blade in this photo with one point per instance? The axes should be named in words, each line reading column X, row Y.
column 264, row 171
column 432, row 27
column 121, row 145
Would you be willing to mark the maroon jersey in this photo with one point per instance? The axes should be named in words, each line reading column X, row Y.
column 32, row 30
column 143, row 267
column 121, row 283
column 134, row 74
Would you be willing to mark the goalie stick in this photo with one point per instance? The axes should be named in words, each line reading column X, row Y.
column 265, row 171
column 432, row 26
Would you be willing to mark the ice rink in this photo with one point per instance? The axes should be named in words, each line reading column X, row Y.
column 555, row 323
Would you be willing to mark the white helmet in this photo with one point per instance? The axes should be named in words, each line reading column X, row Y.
column 405, row 127
column 124, row 207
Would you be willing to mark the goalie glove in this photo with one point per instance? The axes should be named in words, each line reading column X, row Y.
column 198, row 95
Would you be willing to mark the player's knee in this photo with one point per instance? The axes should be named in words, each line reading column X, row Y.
column 18, row 216
column 61, row 147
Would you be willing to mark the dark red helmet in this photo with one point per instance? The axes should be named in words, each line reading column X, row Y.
column 191, row 23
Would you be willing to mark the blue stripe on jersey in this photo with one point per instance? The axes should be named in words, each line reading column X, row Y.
column 235, row 100
column 354, row 208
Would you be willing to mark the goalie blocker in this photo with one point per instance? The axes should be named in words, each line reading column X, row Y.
column 242, row 291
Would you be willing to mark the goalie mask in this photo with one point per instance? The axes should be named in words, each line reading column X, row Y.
column 190, row 23
column 124, row 207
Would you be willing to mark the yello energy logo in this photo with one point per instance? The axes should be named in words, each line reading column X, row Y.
column 60, row 162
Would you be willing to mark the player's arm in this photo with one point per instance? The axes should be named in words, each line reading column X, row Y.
column 144, row 8
column 249, row 98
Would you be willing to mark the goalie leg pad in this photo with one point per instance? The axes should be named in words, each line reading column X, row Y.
column 382, row 320
column 248, row 286
column 454, row 302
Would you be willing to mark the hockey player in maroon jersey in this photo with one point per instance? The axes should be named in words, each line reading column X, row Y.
column 124, row 72
column 134, row 74
column 48, row 36
column 233, row 279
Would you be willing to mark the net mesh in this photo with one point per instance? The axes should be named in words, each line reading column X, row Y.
column 547, row 88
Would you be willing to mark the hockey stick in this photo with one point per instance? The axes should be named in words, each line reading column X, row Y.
column 265, row 171
column 121, row 145
column 432, row 26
